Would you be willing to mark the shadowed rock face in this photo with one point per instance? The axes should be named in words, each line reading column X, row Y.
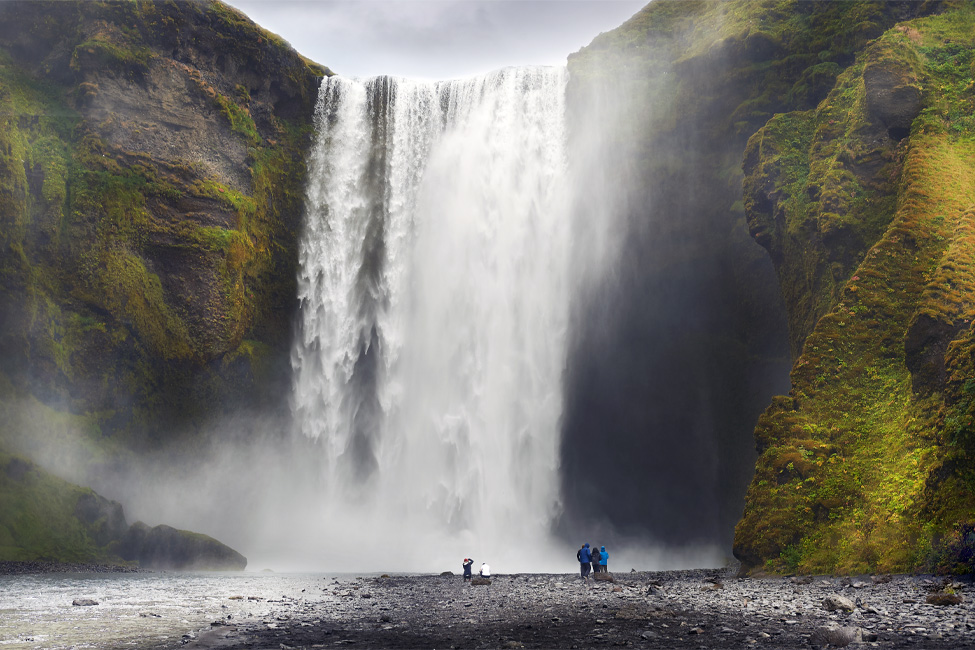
column 105, row 519
column 842, row 188
column 893, row 95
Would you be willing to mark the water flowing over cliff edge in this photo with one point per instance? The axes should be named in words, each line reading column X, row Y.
column 434, row 300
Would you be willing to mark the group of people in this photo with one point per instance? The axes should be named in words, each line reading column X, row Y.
column 485, row 571
column 591, row 559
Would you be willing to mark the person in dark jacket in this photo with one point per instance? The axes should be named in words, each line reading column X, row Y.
column 468, row 563
column 585, row 559
column 603, row 560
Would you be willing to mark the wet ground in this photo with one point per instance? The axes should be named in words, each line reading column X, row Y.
column 689, row 609
column 685, row 609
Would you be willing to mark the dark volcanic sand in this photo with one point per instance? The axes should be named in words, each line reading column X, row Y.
column 676, row 609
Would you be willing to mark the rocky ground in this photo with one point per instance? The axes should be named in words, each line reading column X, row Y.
column 28, row 568
column 676, row 609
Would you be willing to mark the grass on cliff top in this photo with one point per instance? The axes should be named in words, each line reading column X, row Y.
column 832, row 31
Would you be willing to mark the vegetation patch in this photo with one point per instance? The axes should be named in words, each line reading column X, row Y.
column 889, row 486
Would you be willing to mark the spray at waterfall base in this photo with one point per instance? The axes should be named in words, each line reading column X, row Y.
column 443, row 250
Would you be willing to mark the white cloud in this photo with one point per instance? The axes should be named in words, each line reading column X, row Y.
column 436, row 38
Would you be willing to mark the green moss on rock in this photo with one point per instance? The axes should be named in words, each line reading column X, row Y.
column 45, row 518
column 121, row 257
column 880, row 311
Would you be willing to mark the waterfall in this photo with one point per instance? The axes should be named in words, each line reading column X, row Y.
column 433, row 314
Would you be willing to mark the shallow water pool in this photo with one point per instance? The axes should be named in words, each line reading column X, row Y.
column 139, row 610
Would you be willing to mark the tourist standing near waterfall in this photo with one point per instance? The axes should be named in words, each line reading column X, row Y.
column 603, row 560
column 584, row 560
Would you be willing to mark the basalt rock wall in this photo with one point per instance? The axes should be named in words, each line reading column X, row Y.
column 815, row 128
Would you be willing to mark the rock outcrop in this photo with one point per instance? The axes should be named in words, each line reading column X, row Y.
column 166, row 548
column 46, row 519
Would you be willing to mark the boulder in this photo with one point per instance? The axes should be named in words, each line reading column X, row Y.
column 836, row 601
column 604, row 577
column 477, row 580
column 84, row 602
column 839, row 637
column 168, row 549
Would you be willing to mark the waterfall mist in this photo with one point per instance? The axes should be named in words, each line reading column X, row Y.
column 679, row 339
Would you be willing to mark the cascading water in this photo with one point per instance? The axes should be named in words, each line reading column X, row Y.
column 434, row 306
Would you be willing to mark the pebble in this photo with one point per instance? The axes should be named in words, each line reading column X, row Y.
column 652, row 610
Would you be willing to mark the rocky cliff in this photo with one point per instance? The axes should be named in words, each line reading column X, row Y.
column 865, row 204
column 152, row 157
column 839, row 134
column 151, row 188
column 692, row 337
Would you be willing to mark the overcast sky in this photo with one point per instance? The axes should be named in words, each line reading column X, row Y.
column 436, row 39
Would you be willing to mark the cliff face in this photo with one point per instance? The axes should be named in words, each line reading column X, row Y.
column 151, row 188
column 818, row 100
column 151, row 170
column 865, row 204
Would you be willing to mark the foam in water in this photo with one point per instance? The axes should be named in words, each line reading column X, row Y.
column 434, row 306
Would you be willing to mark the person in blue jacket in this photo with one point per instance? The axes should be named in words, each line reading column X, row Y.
column 467, row 568
column 585, row 558
column 603, row 559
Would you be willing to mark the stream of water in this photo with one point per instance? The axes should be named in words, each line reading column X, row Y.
column 139, row 610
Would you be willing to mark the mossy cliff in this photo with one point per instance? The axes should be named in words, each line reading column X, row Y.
column 838, row 135
column 44, row 518
column 866, row 205
column 151, row 190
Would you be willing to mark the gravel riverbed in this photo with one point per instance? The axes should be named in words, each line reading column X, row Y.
column 674, row 609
